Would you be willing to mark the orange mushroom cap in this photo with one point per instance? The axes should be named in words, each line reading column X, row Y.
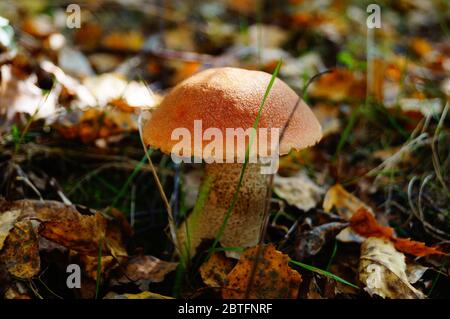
column 230, row 98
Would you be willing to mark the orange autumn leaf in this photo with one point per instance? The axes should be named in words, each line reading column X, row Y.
column 215, row 270
column 415, row 248
column 273, row 278
column 365, row 224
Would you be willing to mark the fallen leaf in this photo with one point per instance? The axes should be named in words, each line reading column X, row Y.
column 365, row 224
column 415, row 248
column 84, row 234
column 383, row 270
column 415, row 271
column 113, row 86
column 144, row 270
column 20, row 94
column 339, row 85
column 7, row 220
column 215, row 270
column 273, row 278
column 345, row 203
column 20, row 253
column 299, row 190
column 90, row 265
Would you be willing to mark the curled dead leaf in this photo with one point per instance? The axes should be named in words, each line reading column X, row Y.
column 383, row 270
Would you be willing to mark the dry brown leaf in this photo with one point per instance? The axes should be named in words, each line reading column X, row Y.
column 7, row 220
column 20, row 252
column 215, row 270
column 298, row 190
column 146, row 269
column 383, row 270
column 82, row 234
column 273, row 278
column 90, row 264
column 345, row 203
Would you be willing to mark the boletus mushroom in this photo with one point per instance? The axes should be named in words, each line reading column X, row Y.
column 226, row 99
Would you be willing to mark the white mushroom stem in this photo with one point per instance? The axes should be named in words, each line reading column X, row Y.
column 215, row 197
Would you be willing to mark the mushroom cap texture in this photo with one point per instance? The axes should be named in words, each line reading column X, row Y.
column 230, row 98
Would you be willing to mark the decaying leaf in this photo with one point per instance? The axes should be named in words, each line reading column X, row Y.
column 84, row 235
column 345, row 203
column 146, row 269
column 273, row 278
column 298, row 190
column 383, row 270
column 365, row 224
column 20, row 252
column 90, row 264
column 7, row 220
column 215, row 270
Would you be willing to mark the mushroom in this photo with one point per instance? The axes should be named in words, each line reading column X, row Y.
column 229, row 98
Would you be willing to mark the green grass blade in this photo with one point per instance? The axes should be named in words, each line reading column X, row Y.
column 323, row 273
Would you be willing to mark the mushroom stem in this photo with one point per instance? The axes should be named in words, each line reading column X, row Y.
column 215, row 196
